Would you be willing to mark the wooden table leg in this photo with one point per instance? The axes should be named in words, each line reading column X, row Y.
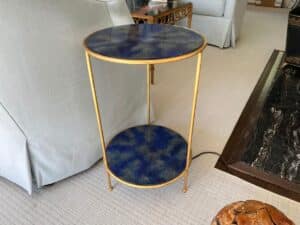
column 152, row 73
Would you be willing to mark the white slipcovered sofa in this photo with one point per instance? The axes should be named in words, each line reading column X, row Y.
column 220, row 21
column 48, row 128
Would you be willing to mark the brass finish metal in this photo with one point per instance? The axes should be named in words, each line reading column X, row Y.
column 147, row 186
column 99, row 122
column 192, row 122
column 148, row 93
column 194, row 106
column 186, row 179
column 145, row 61
column 150, row 65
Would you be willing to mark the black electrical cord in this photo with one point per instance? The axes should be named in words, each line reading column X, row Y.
column 206, row 153
column 194, row 157
column 197, row 156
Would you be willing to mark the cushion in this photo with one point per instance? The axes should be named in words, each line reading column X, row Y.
column 209, row 7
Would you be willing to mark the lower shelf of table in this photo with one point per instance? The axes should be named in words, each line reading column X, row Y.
column 147, row 155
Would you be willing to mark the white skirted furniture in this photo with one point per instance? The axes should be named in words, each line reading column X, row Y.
column 220, row 21
column 47, row 123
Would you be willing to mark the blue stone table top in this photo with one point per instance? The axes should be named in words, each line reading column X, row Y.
column 147, row 155
column 144, row 41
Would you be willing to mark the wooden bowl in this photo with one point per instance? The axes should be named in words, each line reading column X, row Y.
column 250, row 213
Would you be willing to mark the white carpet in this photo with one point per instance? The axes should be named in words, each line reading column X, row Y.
column 228, row 79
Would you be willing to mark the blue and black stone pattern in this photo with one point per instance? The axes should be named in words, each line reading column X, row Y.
column 274, row 146
column 147, row 155
column 144, row 41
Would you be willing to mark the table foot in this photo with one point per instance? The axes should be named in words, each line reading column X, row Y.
column 184, row 190
column 110, row 187
column 185, row 185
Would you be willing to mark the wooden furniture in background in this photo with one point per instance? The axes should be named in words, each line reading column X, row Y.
column 268, row 3
column 251, row 212
column 166, row 15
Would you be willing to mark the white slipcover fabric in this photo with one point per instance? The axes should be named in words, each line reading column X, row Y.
column 209, row 7
column 49, row 124
column 15, row 164
column 119, row 12
column 221, row 31
column 215, row 29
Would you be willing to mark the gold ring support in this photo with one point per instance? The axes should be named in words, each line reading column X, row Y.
column 150, row 64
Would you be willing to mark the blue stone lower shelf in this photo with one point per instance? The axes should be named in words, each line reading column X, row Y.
column 147, row 155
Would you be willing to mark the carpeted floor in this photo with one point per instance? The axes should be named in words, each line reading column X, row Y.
column 228, row 79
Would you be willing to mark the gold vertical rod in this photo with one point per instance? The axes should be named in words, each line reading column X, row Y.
column 149, row 73
column 152, row 73
column 189, row 20
column 192, row 122
column 96, row 105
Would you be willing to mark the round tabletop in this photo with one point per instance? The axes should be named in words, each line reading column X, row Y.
column 147, row 155
column 144, row 43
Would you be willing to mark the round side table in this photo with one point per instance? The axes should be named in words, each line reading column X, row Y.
column 147, row 156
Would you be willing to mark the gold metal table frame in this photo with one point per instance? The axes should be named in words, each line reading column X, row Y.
column 149, row 63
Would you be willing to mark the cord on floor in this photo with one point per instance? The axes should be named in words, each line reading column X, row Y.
column 196, row 156
column 206, row 153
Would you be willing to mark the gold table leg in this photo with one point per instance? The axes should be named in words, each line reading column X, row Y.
column 100, row 128
column 150, row 71
column 192, row 123
column 149, row 82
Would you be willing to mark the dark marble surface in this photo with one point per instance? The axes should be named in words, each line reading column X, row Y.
column 147, row 155
column 275, row 143
column 144, row 41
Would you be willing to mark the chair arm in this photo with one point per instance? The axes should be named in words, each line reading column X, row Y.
column 119, row 12
column 235, row 11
